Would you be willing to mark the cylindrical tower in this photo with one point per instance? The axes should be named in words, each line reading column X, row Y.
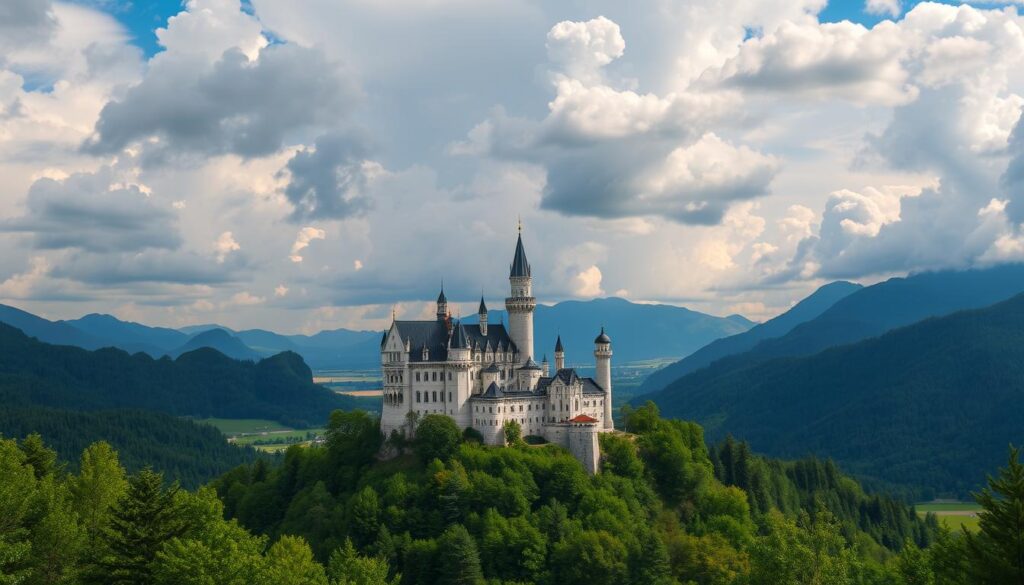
column 520, row 304
column 603, row 359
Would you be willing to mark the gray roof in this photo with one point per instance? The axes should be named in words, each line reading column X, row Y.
column 441, row 298
column 558, row 344
column 603, row 337
column 530, row 365
column 459, row 339
column 569, row 377
column 434, row 335
column 483, row 307
column 520, row 266
column 491, row 369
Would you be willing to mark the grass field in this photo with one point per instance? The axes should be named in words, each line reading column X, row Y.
column 953, row 515
column 265, row 435
column 232, row 426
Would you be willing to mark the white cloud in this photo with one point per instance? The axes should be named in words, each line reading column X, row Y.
column 225, row 245
column 280, row 291
column 581, row 49
column 883, row 7
column 303, row 239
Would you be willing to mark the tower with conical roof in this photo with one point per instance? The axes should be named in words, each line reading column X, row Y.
column 482, row 314
column 442, row 305
column 603, row 374
column 520, row 304
column 559, row 354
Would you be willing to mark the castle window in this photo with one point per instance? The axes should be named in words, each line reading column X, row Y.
column 449, row 397
column 417, row 376
column 520, row 408
column 435, row 396
column 433, row 376
column 417, row 396
column 490, row 409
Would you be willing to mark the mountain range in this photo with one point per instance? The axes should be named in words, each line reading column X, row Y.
column 201, row 383
column 641, row 332
column 890, row 380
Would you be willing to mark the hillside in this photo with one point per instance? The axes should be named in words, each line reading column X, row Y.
column 809, row 308
column 129, row 336
column 933, row 404
column 638, row 331
column 202, row 383
column 183, row 450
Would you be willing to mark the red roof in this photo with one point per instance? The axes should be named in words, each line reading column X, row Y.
column 582, row 418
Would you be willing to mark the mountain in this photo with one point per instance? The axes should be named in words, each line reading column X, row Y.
column 49, row 331
column 875, row 309
column 638, row 331
column 221, row 341
column 809, row 308
column 931, row 404
column 201, row 383
column 129, row 336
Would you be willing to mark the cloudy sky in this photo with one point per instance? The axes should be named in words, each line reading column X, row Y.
column 310, row 164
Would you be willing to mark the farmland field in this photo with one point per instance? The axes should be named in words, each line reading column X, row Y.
column 952, row 515
column 264, row 435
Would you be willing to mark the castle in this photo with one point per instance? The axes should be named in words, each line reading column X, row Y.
column 483, row 375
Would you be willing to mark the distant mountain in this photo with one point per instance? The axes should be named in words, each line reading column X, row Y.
column 131, row 337
column 875, row 309
column 49, row 331
column 221, row 341
column 932, row 404
column 638, row 331
column 201, row 383
column 809, row 308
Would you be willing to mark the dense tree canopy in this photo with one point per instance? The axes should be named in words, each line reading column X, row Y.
column 664, row 510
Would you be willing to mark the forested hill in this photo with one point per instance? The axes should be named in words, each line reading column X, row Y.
column 933, row 404
column 201, row 383
column 185, row 451
column 807, row 309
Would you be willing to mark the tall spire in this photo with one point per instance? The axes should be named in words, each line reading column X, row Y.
column 520, row 265
column 558, row 344
column 483, row 307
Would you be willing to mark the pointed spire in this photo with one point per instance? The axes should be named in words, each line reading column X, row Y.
column 558, row 344
column 520, row 265
column 459, row 339
column 483, row 307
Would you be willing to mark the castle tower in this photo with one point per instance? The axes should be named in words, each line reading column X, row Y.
column 482, row 313
column 603, row 359
column 559, row 354
column 545, row 367
column 442, row 306
column 520, row 304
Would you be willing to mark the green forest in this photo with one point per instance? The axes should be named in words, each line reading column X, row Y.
column 189, row 452
column 928, row 408
column 665, row 509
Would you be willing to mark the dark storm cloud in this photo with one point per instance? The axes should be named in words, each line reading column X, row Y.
column 329, row 181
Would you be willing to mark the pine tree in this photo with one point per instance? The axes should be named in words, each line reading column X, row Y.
column 997, row 553
column 458, row 557
column 141, row 522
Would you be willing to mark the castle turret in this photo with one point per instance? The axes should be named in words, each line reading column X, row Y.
column 520, row 304
column 442, row 306
column 559, row 354
column 545, row 366
column 458, row 345
column 603, row 359
column 482, row 313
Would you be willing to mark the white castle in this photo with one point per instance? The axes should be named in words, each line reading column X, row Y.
column 482, row 375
